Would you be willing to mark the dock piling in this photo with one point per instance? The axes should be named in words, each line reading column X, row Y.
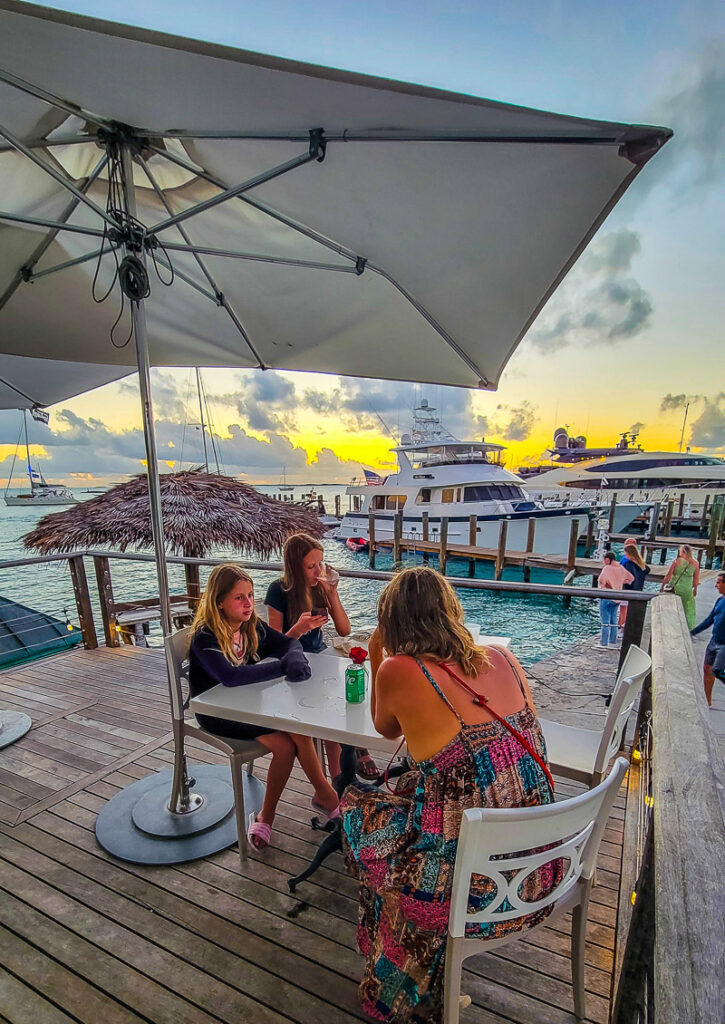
column 397, row 538
column 501, row 552
column 426, row 536
column 666, row 529
column 371, row 539
column 612, row 510
column 716, row 518
column 443, row 554
column 472, row 537
column 703, row 520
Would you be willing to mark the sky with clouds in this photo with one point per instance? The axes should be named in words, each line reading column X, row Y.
column 633, row 335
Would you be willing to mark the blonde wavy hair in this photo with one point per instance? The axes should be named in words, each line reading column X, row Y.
column 222, row 580
column 420, row 615
column 633, row 554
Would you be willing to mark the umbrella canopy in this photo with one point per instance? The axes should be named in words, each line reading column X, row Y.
column 201, row 511
column 26, row 383
column 368, row 227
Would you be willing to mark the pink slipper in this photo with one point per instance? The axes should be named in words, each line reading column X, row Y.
column 259, row 833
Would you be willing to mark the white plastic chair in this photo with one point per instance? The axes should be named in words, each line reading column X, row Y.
column 490, row 844
column 239, row 752
column 583, row 754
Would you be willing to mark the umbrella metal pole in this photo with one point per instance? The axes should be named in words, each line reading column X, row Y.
column 180, row 800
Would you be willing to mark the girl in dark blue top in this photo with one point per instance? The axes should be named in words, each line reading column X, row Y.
column 231, row 646
column 298, row 604
column 637, row 567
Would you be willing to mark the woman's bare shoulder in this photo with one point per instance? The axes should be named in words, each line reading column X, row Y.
column 396, row 668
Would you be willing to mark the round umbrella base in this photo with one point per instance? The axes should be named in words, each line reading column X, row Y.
column 137, row 826
column 13, row 725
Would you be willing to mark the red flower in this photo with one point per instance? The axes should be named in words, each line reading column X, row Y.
column 358, row 655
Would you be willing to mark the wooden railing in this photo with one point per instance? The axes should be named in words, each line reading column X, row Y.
column 672, row 963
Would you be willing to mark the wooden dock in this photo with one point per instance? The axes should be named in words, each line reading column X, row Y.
column 501, row 560
column 88, row 938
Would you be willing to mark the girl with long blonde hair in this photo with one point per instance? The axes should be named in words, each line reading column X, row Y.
column 231, row 646
column 467, row 715
column 636, row 566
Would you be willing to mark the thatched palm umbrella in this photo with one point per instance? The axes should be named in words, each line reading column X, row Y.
column 200, row 511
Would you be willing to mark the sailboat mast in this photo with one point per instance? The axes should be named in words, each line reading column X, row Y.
column 684, row 421
column 201, row 414
column 27, row 450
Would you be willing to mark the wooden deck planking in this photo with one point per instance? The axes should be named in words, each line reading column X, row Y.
column 91, row 938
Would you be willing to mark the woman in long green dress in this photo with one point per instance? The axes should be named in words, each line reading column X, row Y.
column 684, row 577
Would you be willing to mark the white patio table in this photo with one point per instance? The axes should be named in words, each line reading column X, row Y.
column 313, row 707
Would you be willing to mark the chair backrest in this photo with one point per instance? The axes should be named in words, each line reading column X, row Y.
column 177, row 653
column 635, row 669
column 491, row 842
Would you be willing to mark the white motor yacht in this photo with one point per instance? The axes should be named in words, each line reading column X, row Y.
column 455, row 480
column 578, row 473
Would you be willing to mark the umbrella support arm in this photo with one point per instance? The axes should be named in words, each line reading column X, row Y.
column 316, row 151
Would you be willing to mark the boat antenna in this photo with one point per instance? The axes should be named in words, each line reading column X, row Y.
column 684, row 421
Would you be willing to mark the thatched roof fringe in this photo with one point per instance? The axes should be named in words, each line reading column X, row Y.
column 201, row 511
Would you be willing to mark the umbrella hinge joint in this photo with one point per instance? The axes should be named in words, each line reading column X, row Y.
column 318, row 144
column 219, row 297
column 26, row 272
column 360, row 264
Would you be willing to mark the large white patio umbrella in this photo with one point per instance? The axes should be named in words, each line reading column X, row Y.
column 312, row 219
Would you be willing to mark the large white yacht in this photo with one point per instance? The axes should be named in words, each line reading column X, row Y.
column 453, row 479
column 577, row 473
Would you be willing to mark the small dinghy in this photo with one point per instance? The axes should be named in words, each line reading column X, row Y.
column 357, row 544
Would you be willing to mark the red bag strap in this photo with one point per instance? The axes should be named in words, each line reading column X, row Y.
column 481, row 701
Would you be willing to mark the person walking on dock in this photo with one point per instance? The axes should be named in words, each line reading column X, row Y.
column 612, row 577
column 714, row 665
column 683, row 578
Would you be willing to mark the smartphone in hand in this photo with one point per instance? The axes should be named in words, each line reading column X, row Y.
column 319, row 611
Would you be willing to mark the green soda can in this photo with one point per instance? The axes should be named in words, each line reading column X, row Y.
column 355, row 684
column 356, row 676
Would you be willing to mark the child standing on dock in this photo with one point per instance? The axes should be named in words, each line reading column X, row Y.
column 633, row 562
column 612, row 577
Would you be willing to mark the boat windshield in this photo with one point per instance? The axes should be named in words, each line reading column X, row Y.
column 455, row 454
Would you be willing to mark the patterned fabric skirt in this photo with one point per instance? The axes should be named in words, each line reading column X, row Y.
column 402, row 848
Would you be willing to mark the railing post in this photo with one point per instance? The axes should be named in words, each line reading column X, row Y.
column 193, row 585
column 105, row 596
column 501, row 552
column 635, row 996
column 83, row 602
column 371, row 540
column 443, row 554
column 426, row 536
column 633, row 628
column 589, row 542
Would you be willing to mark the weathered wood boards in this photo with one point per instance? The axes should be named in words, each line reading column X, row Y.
column 689, row 816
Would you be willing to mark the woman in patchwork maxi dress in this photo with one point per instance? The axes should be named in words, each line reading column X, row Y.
column 433, row 687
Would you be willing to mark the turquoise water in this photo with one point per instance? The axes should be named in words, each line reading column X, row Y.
column 538, row 625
